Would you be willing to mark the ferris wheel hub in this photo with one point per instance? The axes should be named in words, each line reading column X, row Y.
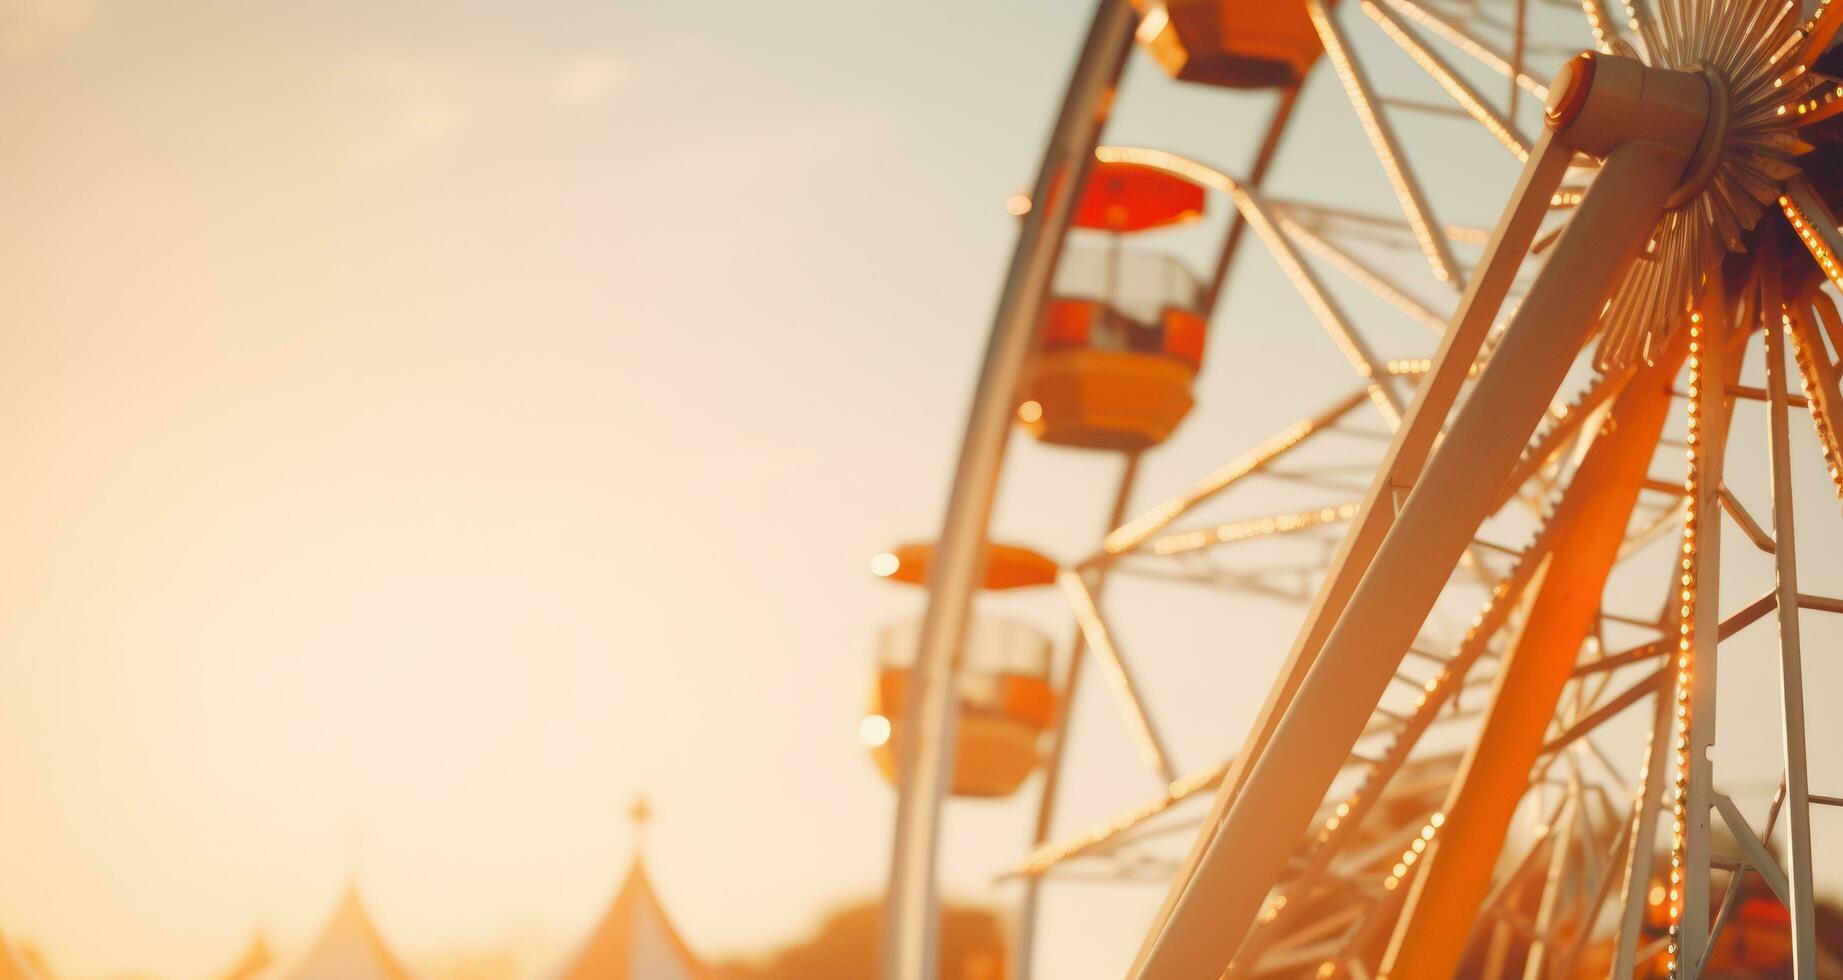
column 1714, row 140
column 1568, row 93
column 1601, row 101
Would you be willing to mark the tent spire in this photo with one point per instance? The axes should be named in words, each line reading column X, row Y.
column 641, row 813
column 635, row 938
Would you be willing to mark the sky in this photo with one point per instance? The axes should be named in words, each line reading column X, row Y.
column 430, row 426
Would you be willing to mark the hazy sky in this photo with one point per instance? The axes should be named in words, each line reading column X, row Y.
column 429, row 425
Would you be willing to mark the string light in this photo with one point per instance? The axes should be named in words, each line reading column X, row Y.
column 1631, row 17
column 1405, row 863
column 1601, row 37
column 1686, row 641
column 1257, row 528
column 1348, row 815
column 1803, row 356
column 1820, row 249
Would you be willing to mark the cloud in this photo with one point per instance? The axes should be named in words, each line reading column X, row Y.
column 586, row 81
column 412, row 100
column 33, row 25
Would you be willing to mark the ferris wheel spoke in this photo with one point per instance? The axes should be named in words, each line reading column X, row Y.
column 1387, row 147
column 1593, row 750
column 1505, row 888
column 1330, row 315
column 1381, row 861
column 1264, row 156
column 1286, row 584
column 1047, row 855
column 1561, row 849
column 1456, row 35
column 1606, row 712
column 1375, row 229
column 1624, row 658
column 1137, row 531
column 1255, row 212
column 1261, row 527
column 1501, row 126
column 1338, row 830
column 1497, row 906
column 1358, row 272
column 1818, row 378
column 1641, row 852
column 1666, row 520
column 1605, row 875
column 1100, row 642
column 1560, row 429
column 1640, row 21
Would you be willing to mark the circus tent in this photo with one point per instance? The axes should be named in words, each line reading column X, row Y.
column 349, row 948
column 254, row 963
column 634, row 940
column 12, row 965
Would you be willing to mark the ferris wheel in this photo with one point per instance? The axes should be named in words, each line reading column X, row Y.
column 1535, row 542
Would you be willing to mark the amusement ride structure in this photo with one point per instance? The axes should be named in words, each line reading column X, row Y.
column 1619, row 372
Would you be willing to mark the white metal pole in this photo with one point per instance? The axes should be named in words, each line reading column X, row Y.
column 1791, row 666
column 1436, row 522
column 1413, row 440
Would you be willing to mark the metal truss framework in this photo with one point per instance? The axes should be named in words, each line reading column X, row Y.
column 1372, row 685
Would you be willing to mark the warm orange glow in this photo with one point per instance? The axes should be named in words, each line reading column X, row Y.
column 1008, row 566
column 874, row 731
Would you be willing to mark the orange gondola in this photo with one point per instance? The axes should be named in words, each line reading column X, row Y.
column 1007, row 566
column 1232, row 43
column 1123, row 333
column 1005, row 699
column 1127, row 197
